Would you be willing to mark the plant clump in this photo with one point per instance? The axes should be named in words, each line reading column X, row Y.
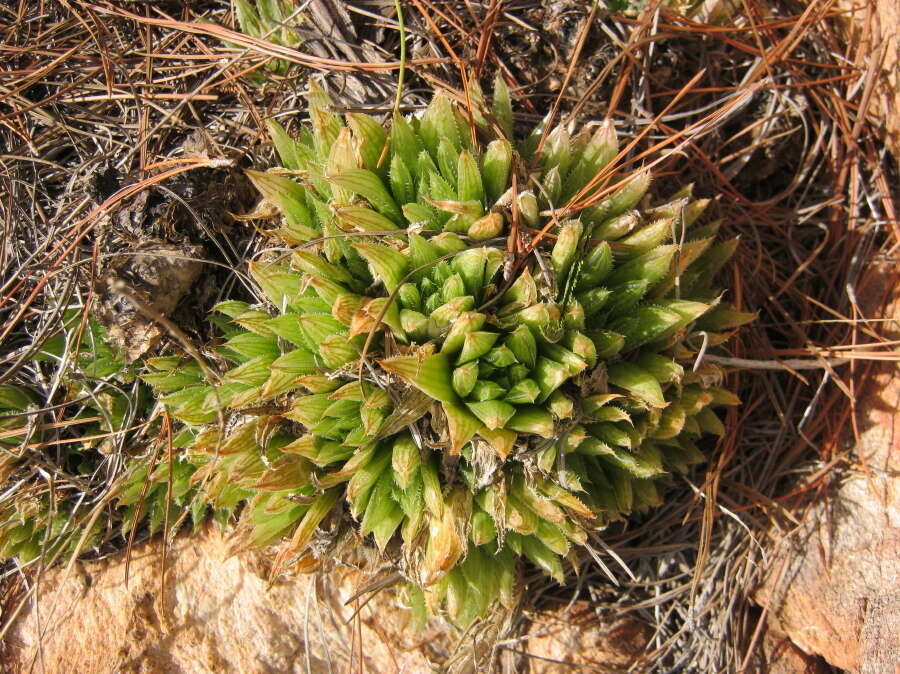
column 43, row 517
column 472, row 352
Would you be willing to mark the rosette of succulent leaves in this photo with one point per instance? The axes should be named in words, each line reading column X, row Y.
column 411, row 384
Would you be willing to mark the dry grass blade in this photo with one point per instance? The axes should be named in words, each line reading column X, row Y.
column 261, row 46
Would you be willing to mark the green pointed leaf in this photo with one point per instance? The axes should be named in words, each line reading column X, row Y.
column 404, row 142
column 336, row 351
column 469, row 184
column 523, row 392
column 363, row 219
column 482, row 530
column 528, row 208
column 369, row 186
column 646, row 324
column 289, row 197
column 370, row 136
column 689, row 310
column 414, row 324
column 501, row 108
column 383, row 514
column 317, row 327
column 724, row 317
column 646, row 238
column 430, row 374
column 573, row 363
column 440, row 118
column 249, row 345
column 464, row 378
column 280, row 285
column 296, row 362
column 495, row 167
column 664, row 369
column 293, row 154
column 475, row 345
column 625, row 297
column 448, row 161
column 448, row 242
column 444, row 315
column 286, row 327
column 615, row 228
column 557, row 150
column 544, row 558
column 565, row 249
column 549, row 376
column 636, row 381
column 486, row 227
column 722, row 397
column 388, row 264
column 486, row 390
column 650, row 267
column 596, row 267
column 403, row 188
column 532, row 420
column 317, row 266
column 231, row 308
column 523, row 345
column 468, row 321
column 627, row 196
column 581, row 345
column 405, row 459
column 646, row 462
column 462, row 426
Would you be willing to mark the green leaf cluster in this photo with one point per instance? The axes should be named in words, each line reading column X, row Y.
column 409, row 381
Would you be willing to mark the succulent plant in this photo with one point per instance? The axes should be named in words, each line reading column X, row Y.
column 275, row 21
column 431, row 374
column 45, row 498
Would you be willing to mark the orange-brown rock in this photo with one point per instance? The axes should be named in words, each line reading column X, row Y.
column 576, row 640
column 780, row 656
column 834, row 587
column 218, row 615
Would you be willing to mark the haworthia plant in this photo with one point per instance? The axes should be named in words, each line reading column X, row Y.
column 275, row 21
column 39, row 516
column 411, row 382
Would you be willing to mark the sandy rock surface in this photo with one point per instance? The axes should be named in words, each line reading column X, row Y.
column 218, row 614
column 576, row 637
column 781, row 656
column 887, row 15
column 835, row 589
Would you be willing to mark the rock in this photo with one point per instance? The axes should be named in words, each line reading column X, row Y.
column 834, row 587
column 887, row 20
column 218, row 615
column 567, row 641
column 781, row 656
